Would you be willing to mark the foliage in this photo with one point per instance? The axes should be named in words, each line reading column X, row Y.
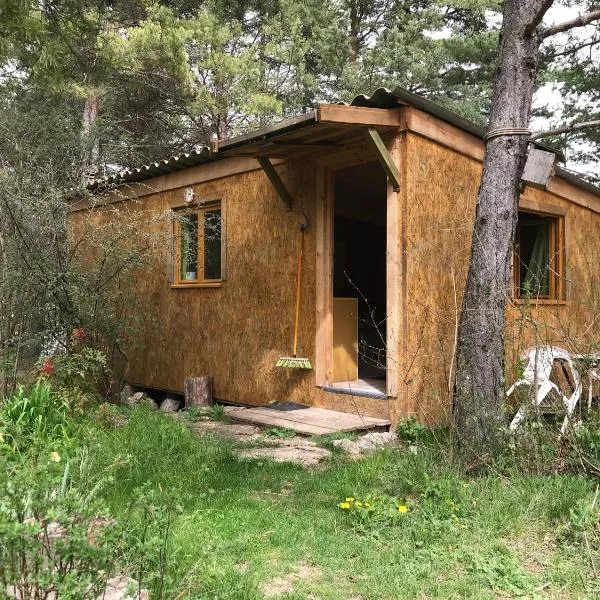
column 411, row 431
column 76, row 372
column 53, row 539
column 587, row 438
column 279, row 432
column 36, row 416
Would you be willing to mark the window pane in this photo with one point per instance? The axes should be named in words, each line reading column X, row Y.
column 189, row 247
column 212, row 244
column 534, row 254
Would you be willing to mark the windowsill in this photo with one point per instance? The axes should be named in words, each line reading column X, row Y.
column 539, row 301
column 208, row 284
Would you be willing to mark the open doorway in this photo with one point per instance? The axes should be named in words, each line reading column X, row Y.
column 359, row 279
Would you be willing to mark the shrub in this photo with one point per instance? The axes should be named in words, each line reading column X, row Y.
column 411, row 431
column 77, row 372
column 54, row 541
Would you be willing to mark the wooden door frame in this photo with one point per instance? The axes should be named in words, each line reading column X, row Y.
column 326, row 169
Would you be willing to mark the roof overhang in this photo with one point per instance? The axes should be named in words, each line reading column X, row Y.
column 328, row 127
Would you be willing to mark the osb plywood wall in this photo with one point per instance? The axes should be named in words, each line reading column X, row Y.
column 236, row 332
column 572, row 325
column 442, row 190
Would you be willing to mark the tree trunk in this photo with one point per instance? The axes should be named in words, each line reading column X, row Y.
column 479, row 390
column 90, row 144
column 355, row 23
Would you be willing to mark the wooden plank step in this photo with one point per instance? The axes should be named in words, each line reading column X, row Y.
column 248, row 416
column 309, row 420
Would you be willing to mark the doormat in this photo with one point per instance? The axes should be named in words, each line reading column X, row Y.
column 287, row 406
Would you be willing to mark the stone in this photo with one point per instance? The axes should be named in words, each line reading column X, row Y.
column 347, row 446
column 233, row 431
column 126, row 392
column 170, row 405
column 366, row 443
column 141, row 398
column 305, row 455
column 374, row 440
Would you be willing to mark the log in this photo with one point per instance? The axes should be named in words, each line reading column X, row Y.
column 198, row 391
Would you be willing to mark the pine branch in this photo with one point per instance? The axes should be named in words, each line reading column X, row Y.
column 574, row 49
column 579, row 21
column 566, row 129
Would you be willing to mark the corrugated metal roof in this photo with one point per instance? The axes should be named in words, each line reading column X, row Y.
column 380, row 98
column 169, row 165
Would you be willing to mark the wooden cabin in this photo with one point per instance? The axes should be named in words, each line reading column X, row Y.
column 386, row 188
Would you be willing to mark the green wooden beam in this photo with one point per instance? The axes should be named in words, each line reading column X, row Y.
column 384, row 157
column 276, row 181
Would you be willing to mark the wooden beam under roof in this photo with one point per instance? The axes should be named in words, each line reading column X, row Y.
column 384, row 157
column 342, row 114
column 276, row 181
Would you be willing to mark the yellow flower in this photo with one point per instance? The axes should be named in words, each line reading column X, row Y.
column 403, row 508
column 54, row 456
column 345, row 505
column 350, row 499
column 359, row 504
column 367, row 504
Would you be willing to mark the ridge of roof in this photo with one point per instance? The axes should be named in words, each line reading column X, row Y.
column 384, row 98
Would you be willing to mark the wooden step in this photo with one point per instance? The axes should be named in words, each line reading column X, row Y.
column 309, row 421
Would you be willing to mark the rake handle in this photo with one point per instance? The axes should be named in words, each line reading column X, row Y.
column 298, row 284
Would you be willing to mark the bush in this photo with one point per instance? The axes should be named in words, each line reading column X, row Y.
column 411, row 431
column 77, row 372
column 54, row 541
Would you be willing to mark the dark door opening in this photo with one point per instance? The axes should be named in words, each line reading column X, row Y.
column 359, row 277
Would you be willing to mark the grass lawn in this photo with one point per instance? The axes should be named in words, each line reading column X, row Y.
column 248, row 529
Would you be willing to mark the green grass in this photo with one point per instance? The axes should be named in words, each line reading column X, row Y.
column 243, row 524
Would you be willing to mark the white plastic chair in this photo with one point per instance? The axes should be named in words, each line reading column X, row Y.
column 540, row 360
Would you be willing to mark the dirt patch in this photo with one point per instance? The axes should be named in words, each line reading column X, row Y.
column 285, row 585
column 533, row 550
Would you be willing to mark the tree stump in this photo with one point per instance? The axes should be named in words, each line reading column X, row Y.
column 198, row 391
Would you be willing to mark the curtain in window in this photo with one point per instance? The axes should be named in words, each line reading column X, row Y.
column 536, row 279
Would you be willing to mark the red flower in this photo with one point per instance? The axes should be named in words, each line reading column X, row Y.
column 48, row 367
column 79, row 334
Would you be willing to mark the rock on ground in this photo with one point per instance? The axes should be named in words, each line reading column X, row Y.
column 366, row 443
column 347, row 446
column 170, row 405
column 297, row 450
column 141, row 398
column 233, row 431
